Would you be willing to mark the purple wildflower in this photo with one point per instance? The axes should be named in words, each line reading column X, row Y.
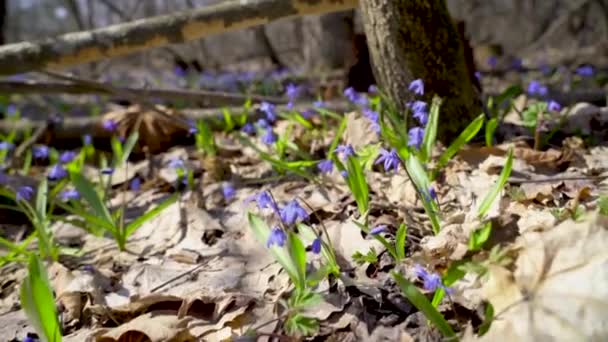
column 390, row 159
column 478, row 75
column 356, row 98
column 269, row 137
column 269, row 110
column 417, row 86
column 24, row 193
column 40, row 152
column 378, row 229
column 316, row 246
column 536, row 88
column 553, row 106
column 263, row 123
column 372, row 89
column 110, row 125
column 87, row 139
column 180, row 72
column 68, row 195
column 177, row 163
column 228, row 191
column 517, row 63
column 318, row 104
column 344, row 151
column 107, row 171
column 431, row 281
column 325, row 166
column 11, row 110
column 57, row 172
column 292, row 91
column 374, row 118
column 248, row 129
column 67, row 157
column 415, row 137
column 585, row 71
column 292, row 212
column 6, row 146
column 492, row 61
column 344, row 173
column 277, row 237
column 135, row 184
column 264, row 200
column 433, row 193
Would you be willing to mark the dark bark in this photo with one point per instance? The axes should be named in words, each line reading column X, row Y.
column 2, row 21
column 410, row 39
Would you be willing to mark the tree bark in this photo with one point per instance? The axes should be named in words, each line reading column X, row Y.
column 2, row 21
column 122, row 39
column 411, row 39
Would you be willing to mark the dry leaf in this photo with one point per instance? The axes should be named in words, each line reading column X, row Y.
column 558, row 291
column 151, row 327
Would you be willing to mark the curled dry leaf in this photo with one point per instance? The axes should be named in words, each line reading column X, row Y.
column 152, row 327
column 558, row 290
column 359, row 132
column 156, row 131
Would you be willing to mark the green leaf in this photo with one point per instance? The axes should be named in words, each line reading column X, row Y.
column 128, row 147
column 400, row 238
column 422, row 303
column 41, row 199
column 228, row 121
column 38, row 303
column 430, row 131
column 502, row 180
column 262, row 232
column 88, row 192
column 299, row 324
column 467, row 134
column 491, row 126
column 479, row 237
column 337, row 137
column 298, row 256
column 133, row 226
column 357, row 184
column 488, row 318
column 418, row 176
column 453, row 274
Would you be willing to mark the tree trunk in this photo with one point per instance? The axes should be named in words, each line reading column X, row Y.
column 411, row 39
column 2, row 21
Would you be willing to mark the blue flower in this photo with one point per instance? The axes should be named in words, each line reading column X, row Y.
column 228, row 190
column 344, row 151
column 269, row 137
column 430, row 281
column 478, row 75
column 177, row 163
column 248, row 128
column 107, row 171
column 316, row 246
column 325, row 166
column 585, row 71
column 374, row 118
column 40, row 152
column 277, row 237
column 11, row 110
column 292, row 91
column 344, row 173
column 390, row 159
column 318, row 104
column 292, row 212
column 110, row 125
column 417, row 86
column 372, row 89
column 24, row 193
column 269, row 110
column 492, row 61
column 262, row 123
column 415, row 137
column 67, row 157
column 553, row 106
column 135, row 184
column 68, row 195
column 192, row 130
column 536, row 88
column 378, row 229
column 264, row 200
column 353, row 96
column 308, row 113
column 180, row 72
column 433, row 193
column 517, row 63
column 6, row 146
column 419, row 108
column 57, row 172
column 86, row 139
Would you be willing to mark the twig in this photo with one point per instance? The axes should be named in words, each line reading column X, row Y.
column 517, row 181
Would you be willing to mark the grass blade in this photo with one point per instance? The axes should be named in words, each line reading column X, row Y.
column 422, row 303
column 298, row 255
column 87, row 191
column 467, row 134
column 421, row 181
column 400, row 242
column 430, row 132
column 38, row 302
column 133, row 226
column 128, row 147
column 502, row 180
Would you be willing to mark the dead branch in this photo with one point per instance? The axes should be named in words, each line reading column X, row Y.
column 199, row 97
column 116, row 40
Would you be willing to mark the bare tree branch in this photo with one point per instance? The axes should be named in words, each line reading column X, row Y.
column 122, row 39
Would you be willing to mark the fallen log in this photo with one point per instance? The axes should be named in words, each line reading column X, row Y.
column 117, row 40
column 200, row 97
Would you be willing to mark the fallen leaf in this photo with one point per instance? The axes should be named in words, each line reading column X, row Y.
column 152, row 327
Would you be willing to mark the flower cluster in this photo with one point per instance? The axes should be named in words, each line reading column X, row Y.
column 420, row 113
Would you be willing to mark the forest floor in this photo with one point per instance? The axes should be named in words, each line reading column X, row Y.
column 202, row 264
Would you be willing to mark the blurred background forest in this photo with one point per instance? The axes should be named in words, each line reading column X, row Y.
column 547, row 31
